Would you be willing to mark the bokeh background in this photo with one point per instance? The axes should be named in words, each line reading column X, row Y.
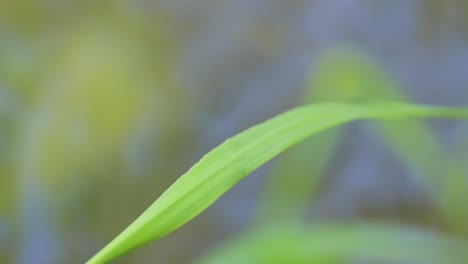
column 103, row 104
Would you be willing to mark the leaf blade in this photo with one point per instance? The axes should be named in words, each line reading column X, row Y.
column 230, row 162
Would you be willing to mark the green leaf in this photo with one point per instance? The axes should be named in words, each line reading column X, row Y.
column 339, row 243
column 230, row 162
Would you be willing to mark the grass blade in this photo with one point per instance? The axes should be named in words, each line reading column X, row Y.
column 230, row 162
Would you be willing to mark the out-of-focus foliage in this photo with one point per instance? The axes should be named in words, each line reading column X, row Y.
column 454, row 186
column 88, row 92
column 346, row 76
column 339, row 243
column 362, row 80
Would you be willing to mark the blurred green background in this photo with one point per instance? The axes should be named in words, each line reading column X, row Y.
column 103, row 104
